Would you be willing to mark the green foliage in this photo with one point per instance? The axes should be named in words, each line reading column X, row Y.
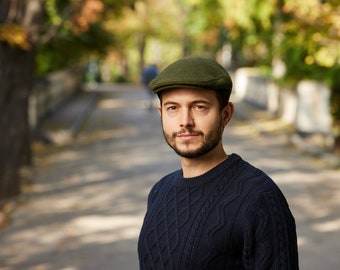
column 302, row 34
column 310, row 45
column 297, row 69
column 73, row 30
column 115, row 6
column 69, row 49
column 52, row 12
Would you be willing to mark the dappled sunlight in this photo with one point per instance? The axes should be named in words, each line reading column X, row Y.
column 99, row 135
column 302, row 241
column 119, row 103
column 103, row 229
column 96, row 176
column 71, row 180
column 275, row 125
column 60, row 137
column 327, row 226
column 292, row 177
column 81, row 231
column 140, row 156
column 60, row 157
column 306, row 206
column 111, row 103
column 33, row 241
column 239, row 130
column 278, row 163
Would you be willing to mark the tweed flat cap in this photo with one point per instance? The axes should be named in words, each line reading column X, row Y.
column 193, row 72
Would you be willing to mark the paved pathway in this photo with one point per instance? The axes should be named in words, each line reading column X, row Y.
column 86, row 207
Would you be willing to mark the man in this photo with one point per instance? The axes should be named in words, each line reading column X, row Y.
column 217, row 211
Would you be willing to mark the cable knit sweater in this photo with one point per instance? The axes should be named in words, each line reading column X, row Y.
column 232, row 217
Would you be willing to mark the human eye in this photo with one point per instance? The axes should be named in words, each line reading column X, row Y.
column 200, row 107
column 171, row 108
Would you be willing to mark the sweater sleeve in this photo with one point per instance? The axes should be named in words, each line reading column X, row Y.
column 270, row 241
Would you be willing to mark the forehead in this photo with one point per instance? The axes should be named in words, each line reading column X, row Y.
column 187, row 94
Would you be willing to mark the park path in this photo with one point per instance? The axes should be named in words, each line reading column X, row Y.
column 85, row 209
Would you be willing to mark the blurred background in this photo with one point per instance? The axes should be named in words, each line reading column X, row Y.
column 283, row 41
column 283, row 55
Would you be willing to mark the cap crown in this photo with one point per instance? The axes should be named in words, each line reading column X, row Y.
column 193, row 72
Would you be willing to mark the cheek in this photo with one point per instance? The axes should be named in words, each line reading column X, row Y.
column 212, row 127
column 208, row 123
column 169, row 125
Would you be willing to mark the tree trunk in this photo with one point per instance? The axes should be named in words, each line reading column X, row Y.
column 16, row 80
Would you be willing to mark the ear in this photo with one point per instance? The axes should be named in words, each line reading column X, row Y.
column 160, row 110
column 227, row 113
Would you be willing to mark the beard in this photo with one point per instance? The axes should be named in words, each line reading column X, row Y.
column 208, row 141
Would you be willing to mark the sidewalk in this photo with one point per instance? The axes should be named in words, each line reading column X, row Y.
column 87, row 203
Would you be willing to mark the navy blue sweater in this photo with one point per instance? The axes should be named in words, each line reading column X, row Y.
column 232, row 217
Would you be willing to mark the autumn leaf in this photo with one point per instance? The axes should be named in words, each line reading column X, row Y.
column 15, row 35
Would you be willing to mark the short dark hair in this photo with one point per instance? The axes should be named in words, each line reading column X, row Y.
column 223, row 98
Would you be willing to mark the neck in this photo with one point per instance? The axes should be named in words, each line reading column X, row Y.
column 193, row 167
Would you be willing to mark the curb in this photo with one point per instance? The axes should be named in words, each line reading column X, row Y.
column 63, row 125
column 245, row 110
column 84, row 114
column 332, row 160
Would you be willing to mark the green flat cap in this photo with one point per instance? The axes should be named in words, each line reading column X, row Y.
column 193, row 72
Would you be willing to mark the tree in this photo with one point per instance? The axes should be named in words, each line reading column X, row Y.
column 28, row 27
column 163, row 30
column 141, row 28
column 19, row 24
column 304, row 35
column 311, row 39
column 202, row 27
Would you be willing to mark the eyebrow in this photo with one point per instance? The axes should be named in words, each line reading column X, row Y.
column 170, row 103
column 192, row 102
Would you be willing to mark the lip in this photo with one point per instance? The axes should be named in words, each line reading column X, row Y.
column 188, row 136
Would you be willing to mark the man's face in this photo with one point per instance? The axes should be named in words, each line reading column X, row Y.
column 192, row 122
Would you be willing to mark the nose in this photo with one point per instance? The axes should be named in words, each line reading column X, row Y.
column 186, row 118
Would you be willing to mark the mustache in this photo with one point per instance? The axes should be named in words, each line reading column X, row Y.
column 185, row 131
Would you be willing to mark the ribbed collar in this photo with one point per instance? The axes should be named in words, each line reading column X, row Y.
column 210, row 175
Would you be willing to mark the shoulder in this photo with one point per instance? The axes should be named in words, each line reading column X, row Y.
column 256, row 185
column 164, row 184
column 265, row 200
column 250, row 177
